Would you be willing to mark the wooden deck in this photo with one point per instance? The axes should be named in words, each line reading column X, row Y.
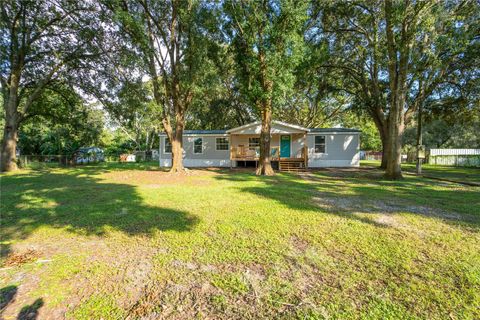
column 242, row 153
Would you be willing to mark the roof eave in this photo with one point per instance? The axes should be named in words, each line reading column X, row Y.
column 288, row 125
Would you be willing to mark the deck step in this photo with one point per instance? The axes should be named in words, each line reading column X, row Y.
column 292, row 165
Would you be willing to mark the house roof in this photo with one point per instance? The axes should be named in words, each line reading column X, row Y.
column 274, row 122
column 201, row 132
column 205, row 131
column 327, row 130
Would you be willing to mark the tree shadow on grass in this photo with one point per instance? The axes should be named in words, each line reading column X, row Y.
column 80, row 202
column 7, row 296
column 28, row 312
column 346, row 193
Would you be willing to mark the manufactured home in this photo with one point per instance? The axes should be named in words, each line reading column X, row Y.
column 293, row 148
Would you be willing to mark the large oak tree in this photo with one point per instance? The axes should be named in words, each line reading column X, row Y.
column 169, row 38
column 266, row 37
column 41, row 42
column 394, row 55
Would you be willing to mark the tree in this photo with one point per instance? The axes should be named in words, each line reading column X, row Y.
column 448, row 125
column 429, row 45
column 222, row 104
column 136, row 114
column 318, row 98
column 60, row 123
column 396, row 55
column 349, row 38
column 369, row 137
column 40, row 42
column 267, row 38
column 169, row 39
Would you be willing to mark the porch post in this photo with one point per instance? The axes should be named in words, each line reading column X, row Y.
column 159, row 151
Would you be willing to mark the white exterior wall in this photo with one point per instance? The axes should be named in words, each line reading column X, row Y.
column 210, row 157
column 341, row 150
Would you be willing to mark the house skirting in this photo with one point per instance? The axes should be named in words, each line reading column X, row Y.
column 312, row 163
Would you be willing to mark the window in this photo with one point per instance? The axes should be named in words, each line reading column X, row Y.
column 197, row 145
column 167, row 146
column 222, row 143
column 319, row 144
column 253, row 143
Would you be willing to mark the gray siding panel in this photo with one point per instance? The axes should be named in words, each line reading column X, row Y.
column 209, row 148
column 342, row 149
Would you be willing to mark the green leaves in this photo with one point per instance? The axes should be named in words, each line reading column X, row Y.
column 267, row 40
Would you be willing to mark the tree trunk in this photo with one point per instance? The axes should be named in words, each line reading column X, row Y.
column 177, row 149
column 9, row 145
column 394, row 160
column 382, row 126
column 10, row 131
column 398, row 55
column 394, row 141
column 383, row 164
column 384, row 138
column 177, row 155
column 264, row 165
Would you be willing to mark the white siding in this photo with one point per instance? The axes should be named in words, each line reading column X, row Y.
column 455, row 157
column 454, row 152
column 341, row 150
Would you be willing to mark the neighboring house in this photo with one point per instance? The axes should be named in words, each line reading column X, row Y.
column 293, row 148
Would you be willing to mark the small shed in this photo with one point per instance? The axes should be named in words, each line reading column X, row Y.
column 88, row 155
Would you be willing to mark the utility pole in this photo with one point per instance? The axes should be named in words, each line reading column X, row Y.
column 420, row 154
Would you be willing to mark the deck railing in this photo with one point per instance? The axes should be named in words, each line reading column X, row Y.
column 245, row 153
column 251, row 153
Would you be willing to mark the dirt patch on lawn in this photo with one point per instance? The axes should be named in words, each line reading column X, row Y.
column 352, row 204
column 356, row 172
column 299, row 244
column 159, row 179
column 356, row 204
column 199, row 296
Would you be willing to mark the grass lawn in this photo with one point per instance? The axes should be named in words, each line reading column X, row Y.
column 114, row 241
column 448, row 172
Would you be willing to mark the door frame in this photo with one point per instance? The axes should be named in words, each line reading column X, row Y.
column 280, row 144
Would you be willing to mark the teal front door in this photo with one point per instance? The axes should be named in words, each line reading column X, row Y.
column 285, row 146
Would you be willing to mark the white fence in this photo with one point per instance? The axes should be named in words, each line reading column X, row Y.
column 455, row 157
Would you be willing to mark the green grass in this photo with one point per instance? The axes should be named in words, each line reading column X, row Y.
column 130, row 240
column 471, row 174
